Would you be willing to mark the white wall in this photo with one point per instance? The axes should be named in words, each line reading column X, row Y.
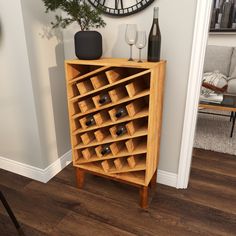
column 176, row 23
column 19, row 138
column 46, row 57
column 33, row 116
column 222, row 39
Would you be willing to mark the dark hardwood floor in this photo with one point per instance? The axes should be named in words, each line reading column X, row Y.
column 104, row 207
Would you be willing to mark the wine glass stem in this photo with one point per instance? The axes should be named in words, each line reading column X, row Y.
column 131, row 57
column 140, row 55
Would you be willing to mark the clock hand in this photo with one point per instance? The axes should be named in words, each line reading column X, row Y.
column 102, row 2
column 117, row 4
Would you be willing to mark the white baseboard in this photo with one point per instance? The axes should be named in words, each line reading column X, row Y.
column 42, row 175
column 167, row 178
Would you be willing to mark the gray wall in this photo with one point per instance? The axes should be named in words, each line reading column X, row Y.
column 177, row 25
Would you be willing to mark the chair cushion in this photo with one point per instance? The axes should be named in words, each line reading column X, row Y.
column 218, row 58
column 232, row 86
column 232, row 72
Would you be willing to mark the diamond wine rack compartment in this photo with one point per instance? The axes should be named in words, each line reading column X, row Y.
column 115, row 112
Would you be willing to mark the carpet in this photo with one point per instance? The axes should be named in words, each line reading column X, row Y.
column 213, row 133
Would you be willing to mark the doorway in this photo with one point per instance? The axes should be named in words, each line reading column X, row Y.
column 202, row 20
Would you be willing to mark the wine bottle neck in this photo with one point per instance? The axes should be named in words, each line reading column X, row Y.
column 156, row 13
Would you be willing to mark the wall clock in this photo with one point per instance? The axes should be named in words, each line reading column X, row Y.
column 121, row 7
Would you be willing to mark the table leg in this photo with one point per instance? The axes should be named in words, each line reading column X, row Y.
column 231, row 116
column 233, row 123
column 9, row 211
column 80, row 175
column 144, row 196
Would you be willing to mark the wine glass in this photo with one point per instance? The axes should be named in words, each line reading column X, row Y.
column 131, row 37
column 141, row 42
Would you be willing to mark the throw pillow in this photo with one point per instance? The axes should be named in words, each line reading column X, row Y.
column 214, row 82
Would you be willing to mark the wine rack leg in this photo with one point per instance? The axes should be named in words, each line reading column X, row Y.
column 143, row 192
column 153, row 182
column 80, row 176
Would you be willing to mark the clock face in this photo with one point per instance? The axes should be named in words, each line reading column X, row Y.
column 121, row 7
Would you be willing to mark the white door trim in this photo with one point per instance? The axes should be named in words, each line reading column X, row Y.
column 200, row 37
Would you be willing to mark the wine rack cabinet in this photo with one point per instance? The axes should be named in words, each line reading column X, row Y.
column 115, row 112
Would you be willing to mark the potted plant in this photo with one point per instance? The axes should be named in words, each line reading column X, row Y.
column 88, row 44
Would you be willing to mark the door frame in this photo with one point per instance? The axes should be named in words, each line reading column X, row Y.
column 200, row 37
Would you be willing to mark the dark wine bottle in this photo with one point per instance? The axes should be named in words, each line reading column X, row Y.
column 154, row 39
column 90, row 121
column 106, row 150
column 121, row 112
column 121, row 130
column 104, row 98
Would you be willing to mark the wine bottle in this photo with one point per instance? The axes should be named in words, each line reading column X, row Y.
column 121, row 130
column 104, row 98
column 121, row 112
column 105, row 150
column 90, row 121
column 154, row 39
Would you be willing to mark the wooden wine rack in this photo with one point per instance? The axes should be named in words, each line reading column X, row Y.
column 137, row 88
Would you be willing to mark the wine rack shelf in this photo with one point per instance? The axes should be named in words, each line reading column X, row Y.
column 115, row 112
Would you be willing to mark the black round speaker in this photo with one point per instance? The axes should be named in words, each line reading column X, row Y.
column 88, row 45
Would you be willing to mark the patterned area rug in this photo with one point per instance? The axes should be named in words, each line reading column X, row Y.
column 213, row 133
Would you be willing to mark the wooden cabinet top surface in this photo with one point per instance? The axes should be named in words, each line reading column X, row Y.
column 123, row 62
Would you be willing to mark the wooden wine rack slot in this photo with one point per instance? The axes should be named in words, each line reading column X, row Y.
column 87, row 138
column 119, row 163
column 98, row 97
column 116, row 148
column 86, row 105
column 117, row 94
column 141, row 149
column 75, row 77
column 143, row 113
column 141, row 165
column 134, row 107
column 113, row 131
column 88, row 153
column 114, row 75
column 101, row 117
column 73, row 97
column 101, row 134
column 84, row 87
column 98, row 151
column 137, row 88
column 133, row 161
column 99, row 81
column 83, row 123
column 106, row 165
column 134, row 125
column 140, row 133
column 131, row 144
column 123, row 100
column 113, row 112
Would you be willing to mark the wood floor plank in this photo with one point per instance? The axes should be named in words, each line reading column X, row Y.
column 210, row 155
column 78, row 225
column 201, row 219
column 104, row 207
column 126, row 216
column 12, row 180
column 218, row 183
column 214, row 166
column 8, row 229
column 32, row 209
